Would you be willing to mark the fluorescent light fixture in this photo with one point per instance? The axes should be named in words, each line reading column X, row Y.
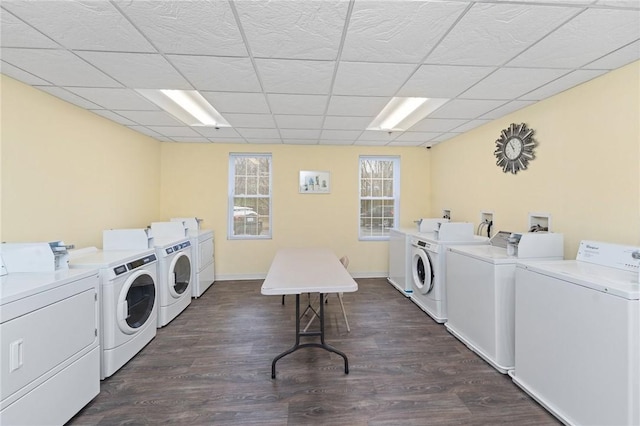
column 188, row 106
column 402, row 113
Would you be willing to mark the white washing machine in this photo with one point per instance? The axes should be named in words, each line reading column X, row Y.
column 577, row 324
column 128, row 290
column 202, row 246
column 49, row 336
column 480, row 284
column 428, row 266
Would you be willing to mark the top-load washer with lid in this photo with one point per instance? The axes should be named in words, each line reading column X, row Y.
column 577, row 323
column 129, row 311
column 428, row 265
column 481, row 290
column 202, row 256
column 49, row 335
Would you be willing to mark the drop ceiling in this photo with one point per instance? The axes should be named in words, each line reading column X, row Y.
column 314, row 72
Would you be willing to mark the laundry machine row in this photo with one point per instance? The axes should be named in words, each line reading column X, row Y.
column 49, row 335
column 174, row 265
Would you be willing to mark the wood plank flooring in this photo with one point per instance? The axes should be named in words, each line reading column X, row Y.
column 212, row 366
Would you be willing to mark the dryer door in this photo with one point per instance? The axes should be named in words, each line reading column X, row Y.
column 136, row 301
column 422, row 271
column 180, row 275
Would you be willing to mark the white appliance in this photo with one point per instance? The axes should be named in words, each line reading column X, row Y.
column 400, row 255
column 481, row 290
column 400, row 260
column 128, row 290
column 49, row 327
column 202, row 243
column 173, row 248
column 577, row 323
column 428, row 266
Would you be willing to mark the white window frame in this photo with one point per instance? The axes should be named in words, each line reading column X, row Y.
column 232, row 195
column 396, row 195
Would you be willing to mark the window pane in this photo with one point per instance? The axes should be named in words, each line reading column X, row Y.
column 250, row 201
column 378, row 196
column 387, row 188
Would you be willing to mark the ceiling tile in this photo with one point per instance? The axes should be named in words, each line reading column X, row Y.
column 145, row 131
column 405, row 143
column 511, row 83
column 470, row 125
column 350, row 135
column 436, row 125
column 299, row 121
column 227, row 140
column 175, row 131
column 152, row 70
column 446, row 136
column 213, row 133
column 374, row 135
column 20, row 75
column 295, row 76
column 300, row 134
column 465, row 108
column 237, row 102
column 490, row 34
column 259, row 133
column 302, row 141
column 264, row 141
column 187, row 27
column 335, row 142
column 617, row 58
column 346, row 123
column 563, row 83
column 109, row 115
column 15, row 33
column 150, row 118
column 217, row 73
column 297, row 104
column 416, row 136
column 59, row 67
column 64, row 94
column 371, row 142
column 443, row 81
column 357, row 106
column 581, row 40
column 85, row 25
column 505, row 109
column 114, row 98
column 264, row 121
column 293, row 29
column 187, row 139
column 397, row 31
column 381, row 79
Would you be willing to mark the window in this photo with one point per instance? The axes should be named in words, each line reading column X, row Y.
column 379, row 196
column 249, row 196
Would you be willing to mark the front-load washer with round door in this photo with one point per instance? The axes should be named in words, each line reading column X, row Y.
column 202, row 253
column 174, row 277
column 128, row 289
column 481, row 290
column 428, row 266
column 578, row 334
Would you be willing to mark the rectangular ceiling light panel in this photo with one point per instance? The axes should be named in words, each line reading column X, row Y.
column 188, row 106
column 402, row 113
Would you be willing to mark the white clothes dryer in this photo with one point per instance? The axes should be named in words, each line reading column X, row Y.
column 481, row 290
column 577, row 324
column 202, row 256
column 128, row 289
column 428, row 266
column 49, row 338
column 174, row 277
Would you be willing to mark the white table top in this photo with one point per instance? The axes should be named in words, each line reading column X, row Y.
column 307, row 270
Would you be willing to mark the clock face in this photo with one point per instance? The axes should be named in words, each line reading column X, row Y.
column 514, row 148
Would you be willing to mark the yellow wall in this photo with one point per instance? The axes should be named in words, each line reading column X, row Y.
column 68, row 173
column 585, row 174
column 198, row 187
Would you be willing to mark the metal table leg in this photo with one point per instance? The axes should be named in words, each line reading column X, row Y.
column 297, row 345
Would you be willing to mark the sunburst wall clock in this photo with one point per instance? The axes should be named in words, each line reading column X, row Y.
column 514, row 148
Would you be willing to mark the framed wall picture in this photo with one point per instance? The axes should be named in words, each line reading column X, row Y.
column 314, row 182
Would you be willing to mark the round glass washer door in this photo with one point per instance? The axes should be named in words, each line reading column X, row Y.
column 422, row 271
column 136, row 301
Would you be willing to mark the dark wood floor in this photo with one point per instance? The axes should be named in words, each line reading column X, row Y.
column 212, row 365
